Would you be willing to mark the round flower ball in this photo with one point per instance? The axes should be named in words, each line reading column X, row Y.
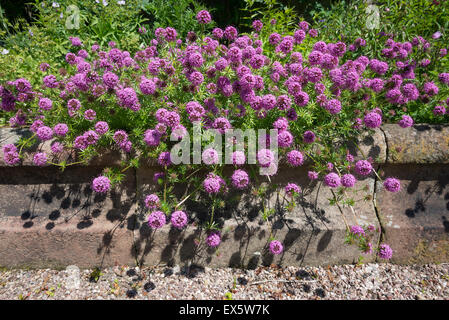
column 157, row 219
column 295, row 158
column 210, row 156
column 203, row 17
column 238, row 158
column 45, row 104
column 213, row 239
column 101, row 184
column 101, row 127
column 164, row 159
column 439, row 110
column 406, row 121
column 332, row 180
column 40, row 159
column 11, row 158
column 348, row 180
column 211, row 185
column 276, row 247
column 44, row 133
column 152, row 201
column 385, row 251
column 179, row 219
column 57, row 147
column 363, row 167
column 61, row 129
column 240, row 179
column 265, row 157
column 392, row 184
column 309, row 137
column 373, row 120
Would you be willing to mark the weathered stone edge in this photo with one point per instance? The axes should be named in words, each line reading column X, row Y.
column 420, row 144
column 243, row 246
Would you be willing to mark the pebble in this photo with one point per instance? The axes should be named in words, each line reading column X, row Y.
column 369, row 281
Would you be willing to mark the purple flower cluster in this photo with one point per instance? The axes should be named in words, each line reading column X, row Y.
column 152, row 201
column 141, row 102
column 357, row 230
column 101, row 184
column 240, row 179
column 179, row 219
column 157, row 219
column 332, row 180
column 295, row 158
column 276, row 247
column 392, row 184
column 363, row 167
column 385, row 251
column 213, row 183
column 291, row 189
column 213, row 239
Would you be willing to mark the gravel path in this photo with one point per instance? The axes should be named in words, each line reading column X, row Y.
column 368, row 281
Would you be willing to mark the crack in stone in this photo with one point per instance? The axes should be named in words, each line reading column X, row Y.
column 387, row 153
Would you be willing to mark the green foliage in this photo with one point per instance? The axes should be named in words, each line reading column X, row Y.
column 182, row 16
column 267, row 10
column 95, row 275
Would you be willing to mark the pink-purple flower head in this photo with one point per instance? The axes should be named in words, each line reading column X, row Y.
column 11, row 158
column 152, row 137
column 265, row 157
column 439, row 110
column 9, row 148
column 276, row 247
column 292, row 189
column 157, row 219
column 257, row 25
column 295, row 158
column 221, row 124
column 385, row 251
column 238, row 158
column 76, row 42
column 373, row 120
column 45, row 104
column 101, row 127
column 348, row 180
column 179, row 219
column 363, row 167
column 392, row 184
column 406, row 121
column 56, row 147
column 444, row 76
column 120, row 137
column 211, row 185
column 240, row 179
column 101, row 184
column 332, row 180
column 164, row 159
column 44, row 133
column 357, row 230
column 285, row 139
column 50, row 81
column 90, row 115
column 213, row 239
column 309, row 137
column 203, row 17
column 313, row 175
column 152, row 201
column 210, row 156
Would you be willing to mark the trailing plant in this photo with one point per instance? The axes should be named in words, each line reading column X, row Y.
column 160, row 101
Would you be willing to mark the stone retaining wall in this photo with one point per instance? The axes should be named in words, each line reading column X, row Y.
column 50, row 218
